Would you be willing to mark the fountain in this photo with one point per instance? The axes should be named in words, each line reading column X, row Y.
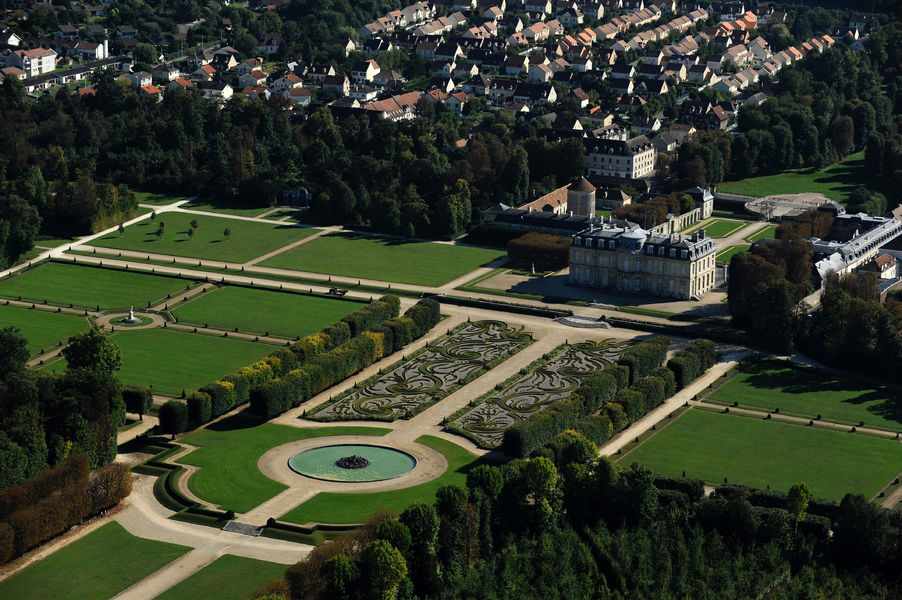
column 131, row 319
column 352, row 463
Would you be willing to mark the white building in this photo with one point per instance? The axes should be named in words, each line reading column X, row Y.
column 631, row 159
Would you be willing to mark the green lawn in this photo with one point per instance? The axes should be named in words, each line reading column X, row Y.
column 228, row 454
column 157, row 198
column 88, row 287
column 768, row 232
column 96, row 567
column 248, row 239
column 721, row 228
column 727, row 254
column 383, row 259
column 227, row 578
column 172, row 361
column 41, row 328
column 53, row 242
column 280, row 313
column 800, row 391
column 227, row 209
column 751, row 451
column 835, row 182
column 356, row 508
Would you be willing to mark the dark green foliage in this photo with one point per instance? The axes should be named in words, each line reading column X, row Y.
column 692, row 361
column 173, row 417
column 138, row 399
column 544, row 251
column 643, row 358
column 200, row 408
column 372, row 314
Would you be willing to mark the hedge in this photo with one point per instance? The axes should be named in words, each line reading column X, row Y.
column 200, row 408
column 323, row 370
column 603, row 404
column 51, row 515
column 173, row 417
column 138, row 399
column 692, row 487
column 692, row 361
column 45, row 483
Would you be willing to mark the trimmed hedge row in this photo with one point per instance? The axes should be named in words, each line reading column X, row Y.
column 695, row 359
column 138, row 399
column 48, row 517
column 325, row 370
column 218, row 398
column 605, row 403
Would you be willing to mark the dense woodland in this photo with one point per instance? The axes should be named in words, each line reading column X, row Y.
column 571, row 525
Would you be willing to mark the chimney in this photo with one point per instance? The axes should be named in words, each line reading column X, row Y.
column 106, row 48
column 701, row 234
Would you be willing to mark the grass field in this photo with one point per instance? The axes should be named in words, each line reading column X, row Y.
column 228, row 455
column 835, row 182
column 721, row 228
column 227, row 209
column 227, row 578
column 172, row 361
column 281, row 314
column 768, row 232
column 248, row 239
column 356, row 508
column 157, row 198
column 98, row 566
column 383, row 259
column 799, row 391
column 88, row 287
column 759, row 453
column 727, row 254
column 41, row 328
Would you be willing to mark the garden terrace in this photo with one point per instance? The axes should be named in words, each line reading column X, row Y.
column 88, row 287
column 248, row 239
column 384, row 259
column 429, row 375
column 541, row 384
column 42, row 328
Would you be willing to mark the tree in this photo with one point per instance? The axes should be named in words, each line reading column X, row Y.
column 340, row 576
column 146, row 53
column 13, row 352
column 194, row 224
column 843, row 134
column 227, row 233
column 797, row 500
column 383, row 569
column 121, row 230
column 138, row 399
column 173, row 417
column 93, row 350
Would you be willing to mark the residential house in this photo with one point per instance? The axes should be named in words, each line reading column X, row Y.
column 66, row 31
column 165, row 72
column 515, row 65
column 139, row 78
column 89, row 50
column 298, row 96
column 478, row 85
column 8, row 38
column 388, row 79
column 248, row 65
column 253, row 79
column 337, row 83
column 34, row 62
column 632, row 159
column 376, row 45
column 270, row 43
column 152, row 91
column 180, row 83
column 364, row 71
column 287, row 82
column 502, row 89
column 223, row 61
column 215, row 89
column 363, row 93
column 623, row 71
column 581, row 97
column 571, row 18
column 318, row 73
column 256, row 92
column 126, row 32
column 203, row 73
column 534, row 94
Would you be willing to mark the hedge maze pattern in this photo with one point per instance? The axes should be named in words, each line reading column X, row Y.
column 427, row 377
column 558, row 378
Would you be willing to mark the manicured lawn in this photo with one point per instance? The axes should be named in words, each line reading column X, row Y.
column 158, row 199
column 41, row 328
column 768, row 232
column 53, row 243
column 727, row 254
column 96, row 567
column 228, row 454
column 721, row 228
column 281, row 314
column 88, row 287
column 835, row 182
column 356, row 508
column 227, row 209
column 227, row 578
column 800, row 391
column 383, row 259
column 248, row 239
column 172, row 361
column 755, row 452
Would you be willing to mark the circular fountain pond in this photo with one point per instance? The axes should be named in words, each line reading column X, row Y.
column 352, row 463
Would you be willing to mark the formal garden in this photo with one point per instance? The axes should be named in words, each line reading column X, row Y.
column 720, row 228
column 429, row 375
column 533, row 389
column 767, row 453
column 213, row 238
column 42, row 327
column 88, row 287
column 384, row 259
column 99, row 565
column 263, row 312
column 770, row 385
